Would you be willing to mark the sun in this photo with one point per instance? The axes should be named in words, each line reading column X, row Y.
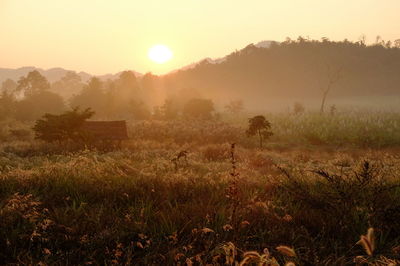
column 160, row 54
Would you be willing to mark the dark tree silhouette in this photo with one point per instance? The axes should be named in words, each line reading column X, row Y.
column 63, row 127
column 326, row 80
column 92, row 96
column 287, row 71
column 32, row 84
column 36, row 98
column 261, row 127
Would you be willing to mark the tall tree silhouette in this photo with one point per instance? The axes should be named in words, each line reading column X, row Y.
column 33, row 83
column 327, row 78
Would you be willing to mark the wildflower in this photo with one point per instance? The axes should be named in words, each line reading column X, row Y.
column 244, row 224
column 179, row 256
column 368, row 241
column 287, row 218
column 260, row 259
column 227, row 227
column 46, row 251
column 285, row 250
column 230, row 252
column 189, row 262
column 207, row 230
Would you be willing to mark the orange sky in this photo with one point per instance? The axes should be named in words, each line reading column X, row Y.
column 106, row 36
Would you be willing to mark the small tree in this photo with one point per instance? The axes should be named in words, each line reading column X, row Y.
column 66, row 126
column 327, row 78
column 258, row 125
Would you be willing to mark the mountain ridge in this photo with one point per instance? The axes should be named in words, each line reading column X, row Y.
column 52, row 74
column 55, row 73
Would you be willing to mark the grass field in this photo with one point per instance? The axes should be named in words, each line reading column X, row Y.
column 318, row 184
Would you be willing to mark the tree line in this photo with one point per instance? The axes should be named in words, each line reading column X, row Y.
column 124, row 98
column 301, row 69
column 295, row 70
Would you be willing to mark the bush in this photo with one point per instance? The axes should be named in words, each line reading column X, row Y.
column 66, row 126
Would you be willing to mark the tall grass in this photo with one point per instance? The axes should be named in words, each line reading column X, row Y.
column 138, row 206
column 132, row 206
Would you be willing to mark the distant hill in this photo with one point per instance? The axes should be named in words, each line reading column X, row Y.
column 271, row 73
column 262, row 44
column 52, row 74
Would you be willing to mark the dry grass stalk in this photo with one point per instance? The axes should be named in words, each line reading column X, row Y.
column 368, row 242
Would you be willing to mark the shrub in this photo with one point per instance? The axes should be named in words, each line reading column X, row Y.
column 66, row 126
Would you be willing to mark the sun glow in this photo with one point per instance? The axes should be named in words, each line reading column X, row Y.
column 160, row 54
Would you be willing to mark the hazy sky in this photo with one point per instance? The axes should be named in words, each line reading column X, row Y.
column 104, row 36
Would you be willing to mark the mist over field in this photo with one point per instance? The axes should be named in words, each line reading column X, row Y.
column 267, row 78
column 197, row 133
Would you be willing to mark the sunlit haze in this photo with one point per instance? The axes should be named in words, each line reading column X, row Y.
column 160, row 54
column 200, row 132
column 109, row 36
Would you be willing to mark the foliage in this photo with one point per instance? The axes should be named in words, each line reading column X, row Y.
column 121, row 98
column 35, row 105
column 141, row 205
column 8, row 86
column 11, row 130
column 121, row 94
column 264, row 76
column 199, row 108
column 28, row 99
column 261, row 127
column 66, row 126
column 33, row 83
column 68, row 85
column 361, row 128
column 92, row 96
column 7, row 105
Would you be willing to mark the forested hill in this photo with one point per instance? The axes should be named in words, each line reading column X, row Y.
column 298, row 70
column 52, row 74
